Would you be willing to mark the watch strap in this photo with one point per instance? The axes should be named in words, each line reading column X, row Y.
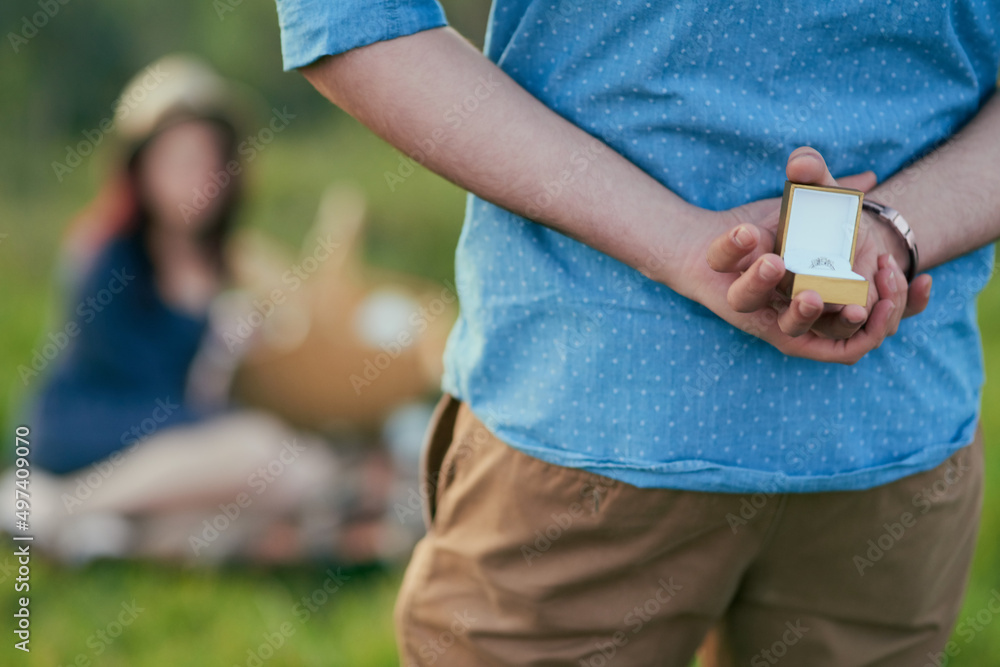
column 895, row 219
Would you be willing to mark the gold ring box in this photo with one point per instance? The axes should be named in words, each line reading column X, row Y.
column 817, row 236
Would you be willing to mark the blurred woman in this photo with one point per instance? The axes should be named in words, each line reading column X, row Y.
column 144, row 454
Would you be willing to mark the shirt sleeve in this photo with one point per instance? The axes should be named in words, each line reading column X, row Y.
column 311, row 29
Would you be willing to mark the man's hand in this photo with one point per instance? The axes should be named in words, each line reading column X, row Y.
column 513, row 146
column 749, row 271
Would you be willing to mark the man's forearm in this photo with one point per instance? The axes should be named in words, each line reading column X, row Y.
column 439, row 100
column 951, row 198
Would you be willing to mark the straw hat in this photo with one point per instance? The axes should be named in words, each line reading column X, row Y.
column 176, row 88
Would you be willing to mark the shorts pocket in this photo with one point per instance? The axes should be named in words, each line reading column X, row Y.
column 433, row 460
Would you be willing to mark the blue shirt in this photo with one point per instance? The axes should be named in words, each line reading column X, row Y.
column 579, row 360
column 122, row 376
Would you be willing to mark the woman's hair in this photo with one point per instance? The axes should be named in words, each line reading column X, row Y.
column 191, row 91
column 213, row 233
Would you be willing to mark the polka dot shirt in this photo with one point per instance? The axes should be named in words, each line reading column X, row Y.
column 577, row 359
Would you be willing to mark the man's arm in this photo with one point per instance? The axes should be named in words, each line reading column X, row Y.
column 951, row 198
column 437, row 98
column 416, row 92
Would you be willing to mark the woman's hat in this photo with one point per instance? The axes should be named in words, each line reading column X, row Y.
column 176, row 88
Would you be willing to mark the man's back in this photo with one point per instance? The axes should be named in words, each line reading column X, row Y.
column 709, row 101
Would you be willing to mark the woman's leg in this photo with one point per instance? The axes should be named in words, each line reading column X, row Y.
column 213, row 463
column 207, row 490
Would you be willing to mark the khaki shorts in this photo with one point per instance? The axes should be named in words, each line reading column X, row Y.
column 529, row 563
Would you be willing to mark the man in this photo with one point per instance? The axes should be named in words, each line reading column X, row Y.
column 638, row 445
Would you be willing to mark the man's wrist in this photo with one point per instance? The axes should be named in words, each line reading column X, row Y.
column 668, row 245
column 890, row 239
column 689, row 271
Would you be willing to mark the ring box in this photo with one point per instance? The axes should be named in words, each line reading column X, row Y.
column 817, row 235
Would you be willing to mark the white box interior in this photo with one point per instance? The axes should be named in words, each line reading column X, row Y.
column 820, row 233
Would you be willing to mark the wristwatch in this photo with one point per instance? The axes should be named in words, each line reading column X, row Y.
column 894, row 219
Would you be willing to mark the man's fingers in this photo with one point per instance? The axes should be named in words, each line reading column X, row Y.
column 848, row 351
column 842, row 324
column 891, row 285
column 734, row 250
column 752, row 290
column 805, row 165
column 919, row 295
column 875, row 331
column 870, row 337
column 883, row 321
column 901, row 295
column 864, row 181
column 801, row 313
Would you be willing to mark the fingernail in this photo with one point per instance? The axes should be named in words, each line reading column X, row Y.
column 892, row 281
column 808, row 309
column 768, row 271
column 742, row 237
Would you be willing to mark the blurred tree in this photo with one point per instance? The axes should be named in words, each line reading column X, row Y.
column 62, row 65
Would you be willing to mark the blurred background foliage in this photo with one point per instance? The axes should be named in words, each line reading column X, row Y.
column 61, row 83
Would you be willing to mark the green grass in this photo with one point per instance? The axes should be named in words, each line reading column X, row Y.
column 135, row 614
column 214, row 617
column 208, row 617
